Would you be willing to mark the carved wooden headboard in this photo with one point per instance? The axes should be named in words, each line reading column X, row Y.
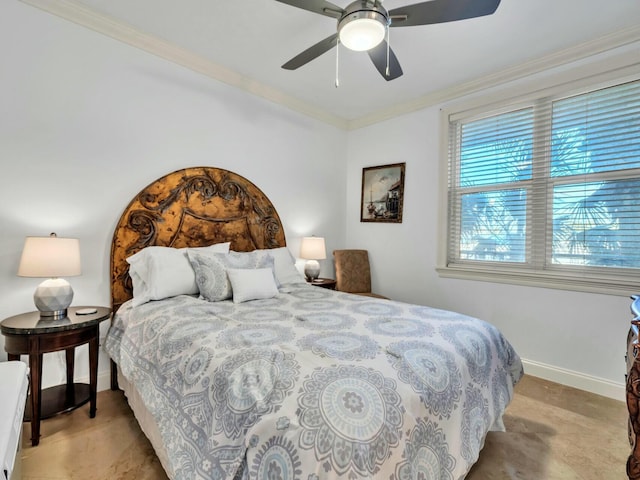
column 193, row 207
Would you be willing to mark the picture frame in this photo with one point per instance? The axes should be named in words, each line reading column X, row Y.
column 382, row 195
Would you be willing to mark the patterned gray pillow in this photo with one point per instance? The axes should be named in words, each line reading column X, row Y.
column 211, row 270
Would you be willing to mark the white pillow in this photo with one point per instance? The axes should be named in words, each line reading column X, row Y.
column 252, row 284
column 211, row 270
column 284, row 266
column 162, row 272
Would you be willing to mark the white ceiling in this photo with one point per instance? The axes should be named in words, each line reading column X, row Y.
column 244, row 42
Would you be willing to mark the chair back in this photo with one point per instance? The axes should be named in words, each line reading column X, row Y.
column 353, row 273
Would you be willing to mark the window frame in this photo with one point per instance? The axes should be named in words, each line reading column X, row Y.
column 585, row 279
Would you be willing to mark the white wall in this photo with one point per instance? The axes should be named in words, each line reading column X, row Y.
column 86, row 122
column 570, row 337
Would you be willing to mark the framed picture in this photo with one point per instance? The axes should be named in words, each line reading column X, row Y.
column 382, row 193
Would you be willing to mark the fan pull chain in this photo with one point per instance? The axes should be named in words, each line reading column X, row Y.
column 387, row 71
column 337, row 63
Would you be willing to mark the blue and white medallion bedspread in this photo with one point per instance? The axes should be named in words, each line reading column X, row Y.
column 315, row 384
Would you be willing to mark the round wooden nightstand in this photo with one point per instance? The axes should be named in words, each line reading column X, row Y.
column 28, row 334
column 329, row 283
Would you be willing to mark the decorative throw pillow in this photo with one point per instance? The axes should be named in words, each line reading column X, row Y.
column 162, row 272
column 211, row 270
column 284, row 266
column 252, row 284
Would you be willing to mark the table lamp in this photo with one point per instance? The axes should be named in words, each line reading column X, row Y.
column 51, row 257
column 312, row 249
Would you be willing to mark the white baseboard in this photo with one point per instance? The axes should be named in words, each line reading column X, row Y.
column 600, row 386
column 104, row 381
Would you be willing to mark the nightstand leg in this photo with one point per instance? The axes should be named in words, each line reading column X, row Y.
column 35, row 367
column 93, row 373
column 70, row 357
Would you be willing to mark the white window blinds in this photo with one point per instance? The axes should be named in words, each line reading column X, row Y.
column 550, row 187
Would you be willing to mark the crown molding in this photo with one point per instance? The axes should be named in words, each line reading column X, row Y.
column 81, row 15
column 122, row 32
column 562, row 57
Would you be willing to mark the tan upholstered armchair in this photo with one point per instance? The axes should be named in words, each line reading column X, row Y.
column 353, row 273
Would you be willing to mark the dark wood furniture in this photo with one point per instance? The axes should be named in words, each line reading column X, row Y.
column 329, row 283
column 193, row 207
column 633, row 390
column 28, row 334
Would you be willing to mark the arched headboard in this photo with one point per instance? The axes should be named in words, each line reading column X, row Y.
column 193, row 207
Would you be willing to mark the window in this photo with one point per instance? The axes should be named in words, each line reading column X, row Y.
column 548, row 192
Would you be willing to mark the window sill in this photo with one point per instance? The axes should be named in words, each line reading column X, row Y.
column 610, row 285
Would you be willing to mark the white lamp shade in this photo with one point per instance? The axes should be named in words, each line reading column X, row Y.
column 362, row 34
column 50, row 257
column 312, row 248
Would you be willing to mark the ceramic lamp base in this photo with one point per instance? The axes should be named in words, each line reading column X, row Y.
column 311, row 270
column 53, row 297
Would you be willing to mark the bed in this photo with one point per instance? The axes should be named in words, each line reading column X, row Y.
column 237, row 380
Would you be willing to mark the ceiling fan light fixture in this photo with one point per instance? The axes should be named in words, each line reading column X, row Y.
column 362, row 30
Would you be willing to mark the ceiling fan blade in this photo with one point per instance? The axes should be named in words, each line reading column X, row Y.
column 378, row 56
column 316, row 6
column 440, row 11
column 312, row 52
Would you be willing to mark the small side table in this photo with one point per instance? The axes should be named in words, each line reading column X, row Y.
column 329, row 283
column 28, row 334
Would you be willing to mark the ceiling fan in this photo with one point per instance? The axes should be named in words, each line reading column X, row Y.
column 363, row 25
